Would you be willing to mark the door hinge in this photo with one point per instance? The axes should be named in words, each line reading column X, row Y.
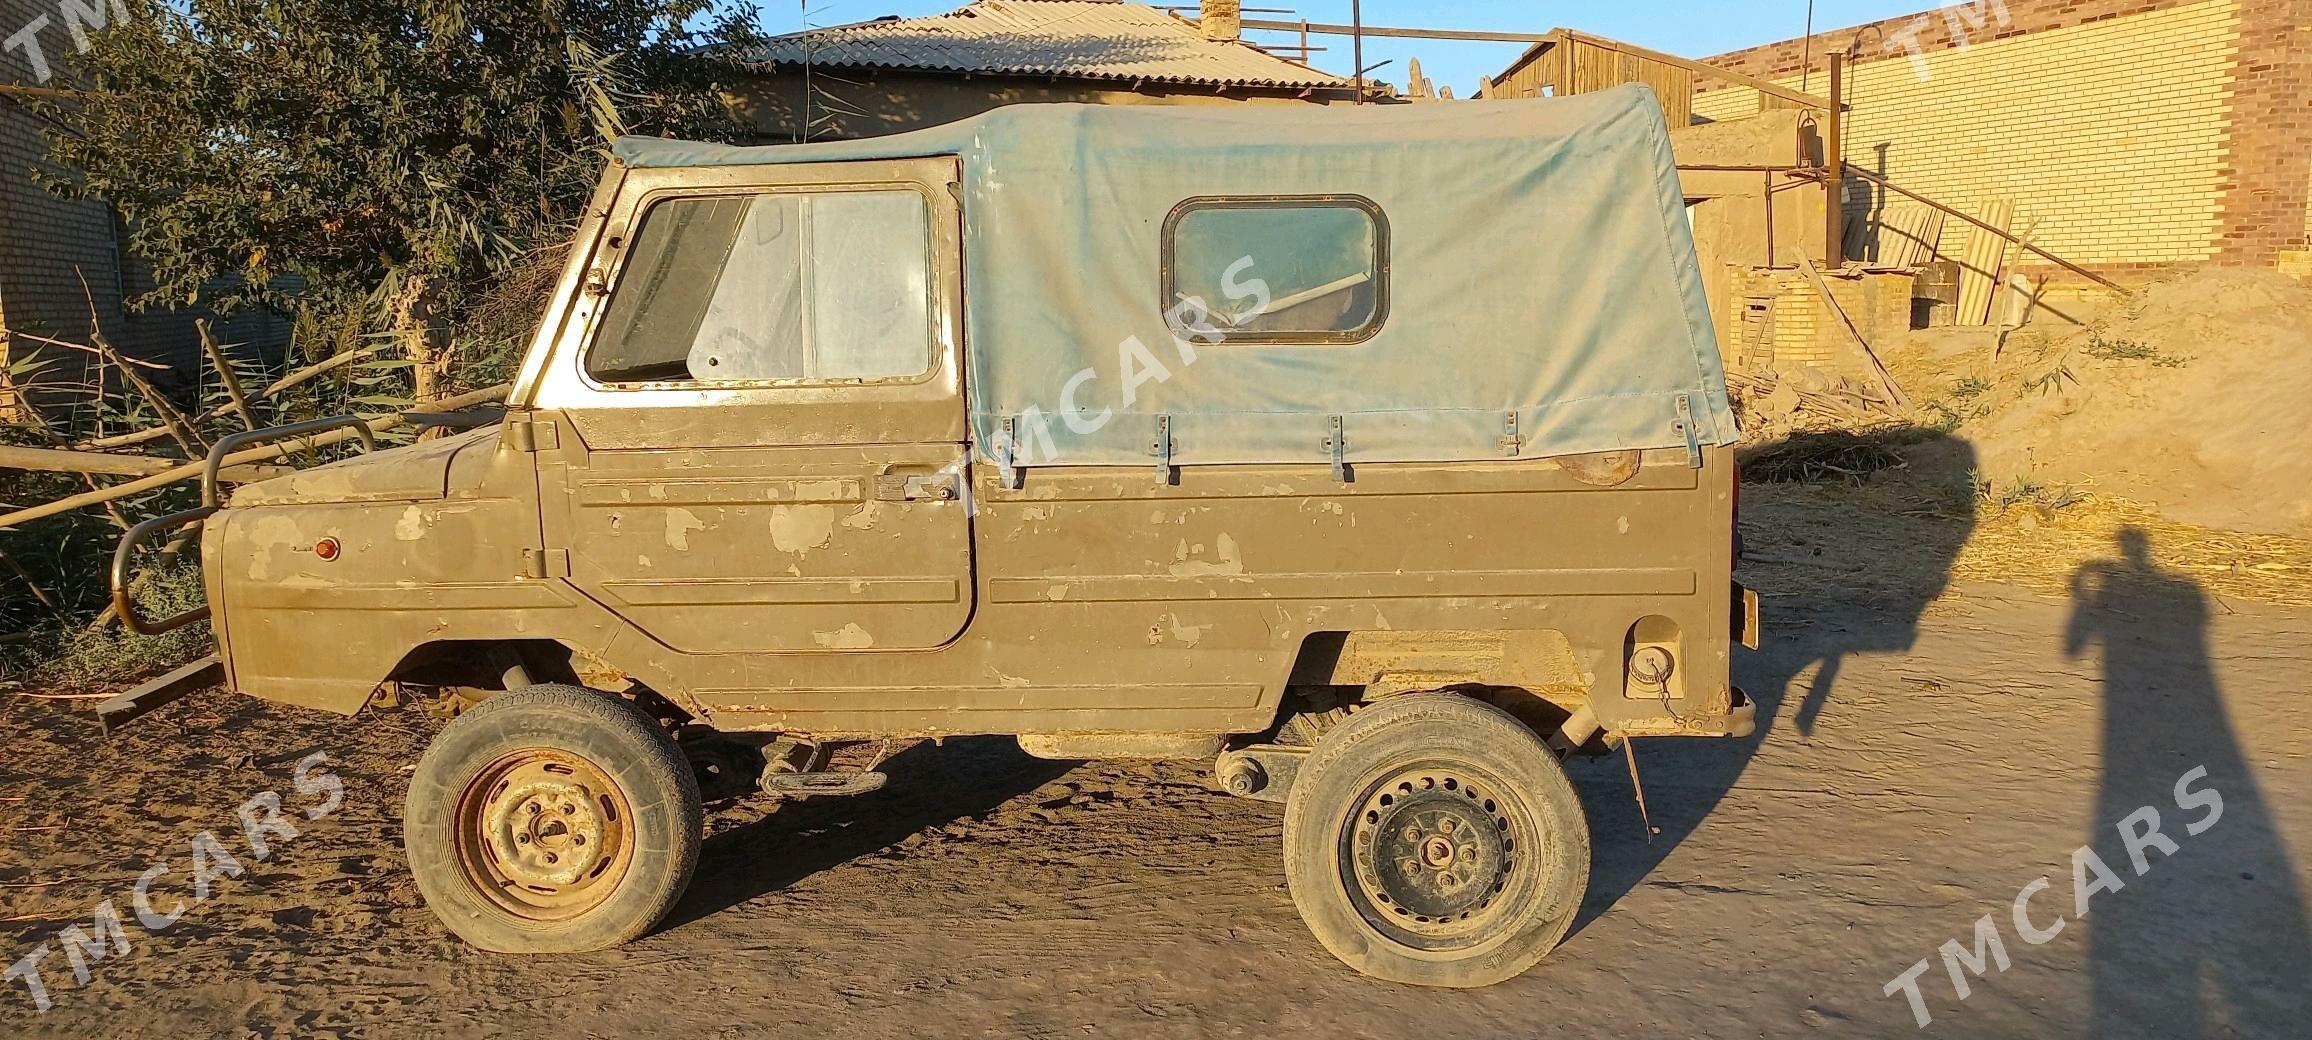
column 1007, row 455
column 531, row 436
column 1337, row 445
column 1685, row 424
column 545, row 563
column 1161, row 447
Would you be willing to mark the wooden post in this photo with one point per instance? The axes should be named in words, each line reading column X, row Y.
column 1886, row 380
column 1834, row 160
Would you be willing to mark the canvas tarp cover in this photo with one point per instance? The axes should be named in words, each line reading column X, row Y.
column 1541, row 280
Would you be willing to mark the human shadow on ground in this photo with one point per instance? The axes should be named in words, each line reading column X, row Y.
column 1897, row 575
column 930, row 785
column 2210, row 939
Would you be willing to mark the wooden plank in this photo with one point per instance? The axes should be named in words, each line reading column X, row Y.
column 1999, row 277
column 1799, row 98
column 175, row 686
column 1930, row 240
column 1886, row 379
column 1979, row 263
column 1908, row 236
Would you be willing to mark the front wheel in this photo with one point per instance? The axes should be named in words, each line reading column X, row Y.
column 553, row 819
column 1434, row 840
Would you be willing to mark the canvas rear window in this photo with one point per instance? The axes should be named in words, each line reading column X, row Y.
column 1297, row 269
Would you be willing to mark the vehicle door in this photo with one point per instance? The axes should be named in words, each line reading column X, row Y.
column 757, row 441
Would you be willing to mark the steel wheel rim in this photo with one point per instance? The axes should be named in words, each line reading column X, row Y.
column 544, row 835
column 1434, row 855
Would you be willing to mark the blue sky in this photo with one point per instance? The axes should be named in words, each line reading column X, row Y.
column 1694, row 28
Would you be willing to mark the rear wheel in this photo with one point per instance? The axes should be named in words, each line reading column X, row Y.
column 552, row 819
column 1434, row 840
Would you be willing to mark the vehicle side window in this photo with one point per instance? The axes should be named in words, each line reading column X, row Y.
column 1300, row 269
column 825, row 286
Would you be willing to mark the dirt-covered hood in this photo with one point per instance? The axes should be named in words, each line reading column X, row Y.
column 413, row 473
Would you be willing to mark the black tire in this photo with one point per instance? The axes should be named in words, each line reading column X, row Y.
column 1434, row 840
column 553, row 819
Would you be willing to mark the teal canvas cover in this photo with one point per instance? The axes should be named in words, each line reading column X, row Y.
column 1541, row 294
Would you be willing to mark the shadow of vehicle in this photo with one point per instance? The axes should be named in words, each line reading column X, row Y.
column 2208, row 935
column 930, row 785
column 1838, row 578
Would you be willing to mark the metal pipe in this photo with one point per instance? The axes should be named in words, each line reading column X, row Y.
column 1357, row 38
column 233, row 442
column 1769, row 175
column 1834, row 162
column 123, row 585
column 1359, row 29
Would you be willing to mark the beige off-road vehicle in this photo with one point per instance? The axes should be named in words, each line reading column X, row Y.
column 1377, row 457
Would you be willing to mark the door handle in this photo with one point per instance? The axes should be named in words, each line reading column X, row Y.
column 936, row 486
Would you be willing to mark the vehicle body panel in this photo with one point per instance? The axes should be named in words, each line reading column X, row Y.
column 847, row 559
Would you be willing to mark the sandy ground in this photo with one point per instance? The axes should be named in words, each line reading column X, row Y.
column 1926, row 754
column 2122, row 407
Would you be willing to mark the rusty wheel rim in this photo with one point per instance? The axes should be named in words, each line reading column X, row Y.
column 1434, row 856
column 544, row 835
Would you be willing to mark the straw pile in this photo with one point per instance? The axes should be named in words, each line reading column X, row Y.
column 2041, row 549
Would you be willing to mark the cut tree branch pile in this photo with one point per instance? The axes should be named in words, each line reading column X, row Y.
column 177, row 472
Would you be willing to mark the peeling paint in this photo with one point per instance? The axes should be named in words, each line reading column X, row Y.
column 411, row 526
column 823, row 490
column 1186, row 635
column 1622, row 525
column 1229, row 564
column 800, row 529
column 679, row 524
column 849, row 637
column 865, row 517
column 271, row 535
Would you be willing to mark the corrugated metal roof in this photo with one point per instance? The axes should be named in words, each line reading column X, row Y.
column 1097, row 39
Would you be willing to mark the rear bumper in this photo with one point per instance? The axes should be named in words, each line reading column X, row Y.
column 1744, row 624
column 1739, row 720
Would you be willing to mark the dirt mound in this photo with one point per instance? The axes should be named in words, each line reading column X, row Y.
column 2190, row 397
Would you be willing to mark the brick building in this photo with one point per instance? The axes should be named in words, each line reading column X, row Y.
column 48, row 245
column 2134, row 136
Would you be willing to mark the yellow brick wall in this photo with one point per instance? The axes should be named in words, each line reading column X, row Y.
column 1720, row 105
column 1802, row 333
column 2110, row 134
